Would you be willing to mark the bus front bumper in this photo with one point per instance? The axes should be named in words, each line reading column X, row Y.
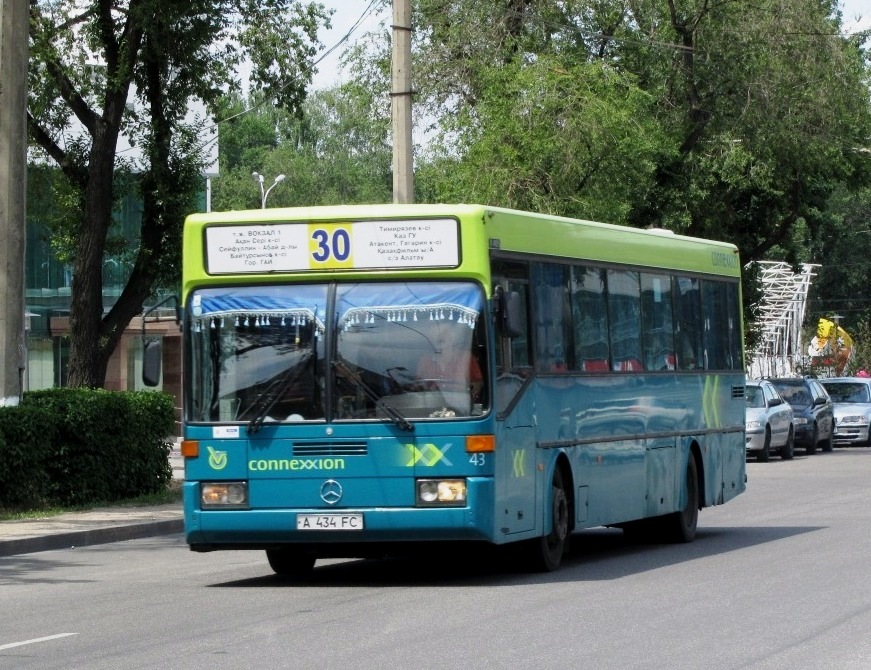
column 209, row 530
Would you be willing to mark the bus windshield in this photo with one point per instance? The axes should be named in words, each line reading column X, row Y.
column 398, row 351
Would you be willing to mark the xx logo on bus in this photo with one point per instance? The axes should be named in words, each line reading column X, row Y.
column 520, row 463
column 710, row 407
column 428, row 454
column 217, row 459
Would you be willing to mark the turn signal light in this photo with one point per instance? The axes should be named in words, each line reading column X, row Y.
column 190, row 448
column 480, row 443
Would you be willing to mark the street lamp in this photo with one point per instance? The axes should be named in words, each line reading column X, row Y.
column 265, row 193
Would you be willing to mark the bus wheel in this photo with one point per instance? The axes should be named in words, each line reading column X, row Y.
column 681, row 526
column 545, row 553
column 290, row 562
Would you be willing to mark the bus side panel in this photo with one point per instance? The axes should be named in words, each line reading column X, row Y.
column 516, row 473
column 735, row 479
column 721, row 398
column 622, row 432
column 662, row 482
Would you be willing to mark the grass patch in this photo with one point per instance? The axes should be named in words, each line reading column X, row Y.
column 172, row 494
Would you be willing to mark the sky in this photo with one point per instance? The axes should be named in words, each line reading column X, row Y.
column 350, row 15
column 349, row 12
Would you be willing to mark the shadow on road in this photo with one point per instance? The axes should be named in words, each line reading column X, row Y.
column 597, row 554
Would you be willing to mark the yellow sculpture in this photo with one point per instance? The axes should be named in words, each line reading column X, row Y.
column 832, row 346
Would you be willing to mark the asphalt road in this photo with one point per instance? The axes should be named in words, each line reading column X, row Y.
column 778, row 578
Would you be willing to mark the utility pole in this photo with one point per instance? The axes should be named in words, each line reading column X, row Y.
column 400, row 103
column 14, row 23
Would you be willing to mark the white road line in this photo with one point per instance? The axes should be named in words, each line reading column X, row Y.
column 38, row 639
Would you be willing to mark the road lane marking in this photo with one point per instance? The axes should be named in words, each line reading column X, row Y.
column 33, row 641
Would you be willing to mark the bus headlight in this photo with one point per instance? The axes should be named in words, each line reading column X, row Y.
column 224, row 495
column 441, row 492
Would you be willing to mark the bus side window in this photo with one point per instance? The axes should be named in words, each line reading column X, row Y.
column 590, row 320
column 553, row 317
column 513, row 353
column 513, row 360
column 656, row 317
column 688, row 323
column 624, row 314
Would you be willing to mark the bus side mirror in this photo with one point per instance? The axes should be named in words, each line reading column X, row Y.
column 152, row 350
column 152, row 361
column 509, row 321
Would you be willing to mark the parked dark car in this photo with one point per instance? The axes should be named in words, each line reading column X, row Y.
column 814, row 415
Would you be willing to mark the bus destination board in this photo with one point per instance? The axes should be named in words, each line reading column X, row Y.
column 357, row 245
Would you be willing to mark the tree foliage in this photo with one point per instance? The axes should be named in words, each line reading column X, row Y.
column 336, row 151
column 101, row 72
column 715, row 118
column 712, row 118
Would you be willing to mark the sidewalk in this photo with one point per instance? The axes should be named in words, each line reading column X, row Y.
column 98, row 526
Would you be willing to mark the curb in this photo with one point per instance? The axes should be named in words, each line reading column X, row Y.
column 91, row 536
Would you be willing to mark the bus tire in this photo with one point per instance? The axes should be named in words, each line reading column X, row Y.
column 680, row 527
column 290, row 562
column 545, row 553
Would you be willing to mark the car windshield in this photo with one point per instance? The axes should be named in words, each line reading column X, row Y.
column 848, row 392
column 397, row 350
column 796, row 395
column 754, row 397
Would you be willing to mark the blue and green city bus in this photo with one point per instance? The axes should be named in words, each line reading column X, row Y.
column 596, row 379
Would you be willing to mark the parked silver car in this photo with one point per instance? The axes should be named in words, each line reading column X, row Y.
column 851, row 397
column 768, row 421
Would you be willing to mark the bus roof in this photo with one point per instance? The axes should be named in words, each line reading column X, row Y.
column 497, row 230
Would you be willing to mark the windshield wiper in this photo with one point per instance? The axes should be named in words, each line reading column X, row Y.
column 345, row 372
column 276, row 390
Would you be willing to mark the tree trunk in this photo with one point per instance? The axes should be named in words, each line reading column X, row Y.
column 90, row 345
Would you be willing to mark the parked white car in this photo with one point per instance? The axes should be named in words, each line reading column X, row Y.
column 768, row 421
column 851, row 397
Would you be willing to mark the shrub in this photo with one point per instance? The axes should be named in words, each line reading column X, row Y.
column 100, row 446
column 26, row 436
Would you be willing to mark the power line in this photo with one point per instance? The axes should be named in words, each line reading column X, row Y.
column 366, row 12
column 370, row 8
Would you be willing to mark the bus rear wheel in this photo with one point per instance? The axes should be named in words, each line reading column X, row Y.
column 681, row 526
column 545, row 553
column 290, row 562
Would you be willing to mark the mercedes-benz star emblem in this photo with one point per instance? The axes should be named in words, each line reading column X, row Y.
column 331, row 492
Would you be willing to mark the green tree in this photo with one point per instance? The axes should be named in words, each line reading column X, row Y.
column 718, row 119
column 101, row 71
column 575, row 140
column 527, row 113
column 844, row 276
column 336, row 151
column 766, row 104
